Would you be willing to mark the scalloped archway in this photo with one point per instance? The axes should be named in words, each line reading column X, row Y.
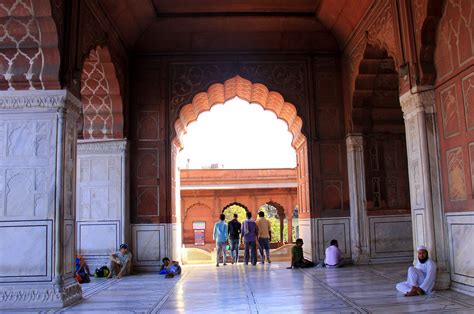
column 100, row 95
column 244, row 89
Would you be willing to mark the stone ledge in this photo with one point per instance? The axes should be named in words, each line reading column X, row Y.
column 39, row 296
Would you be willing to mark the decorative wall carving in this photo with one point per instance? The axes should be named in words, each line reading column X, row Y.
column 101, row 99
column 449, row 109
column 33, row 62
column 468, row 99
column 455, row 38
column 244, row 89
column 288, row 78
column 456, row 179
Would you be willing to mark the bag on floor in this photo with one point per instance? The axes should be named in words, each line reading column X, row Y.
column 104, row 271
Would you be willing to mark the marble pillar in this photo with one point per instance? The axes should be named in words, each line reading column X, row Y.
column 359, row 225
column 102, row 199
column 429, row 227
column 38, row 134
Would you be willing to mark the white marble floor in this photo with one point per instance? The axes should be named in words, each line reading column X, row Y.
column 269, row 288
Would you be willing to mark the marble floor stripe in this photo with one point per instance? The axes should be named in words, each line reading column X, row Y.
column 263, row 289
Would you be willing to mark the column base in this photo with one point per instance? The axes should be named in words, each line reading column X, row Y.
column 443, row 279
column 39, row 296
column 360, row 259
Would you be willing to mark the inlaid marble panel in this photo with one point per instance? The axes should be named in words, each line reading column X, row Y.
column 461, row 244
column 148, row 245
column 23, row 242
column 305, row 234
column 329, row 229
column 391, row 237
column 98, row 238
column 26, row 168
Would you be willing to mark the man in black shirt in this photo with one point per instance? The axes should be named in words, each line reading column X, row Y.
column 234, row 236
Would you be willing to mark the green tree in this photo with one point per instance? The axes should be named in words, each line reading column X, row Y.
column 234, row 209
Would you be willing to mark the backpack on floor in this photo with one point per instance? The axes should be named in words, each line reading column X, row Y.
column 101, row 272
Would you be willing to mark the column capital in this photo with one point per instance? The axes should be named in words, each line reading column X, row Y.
column 44, row 99
column 102, row 146
column 417, row 100
column 354, row 141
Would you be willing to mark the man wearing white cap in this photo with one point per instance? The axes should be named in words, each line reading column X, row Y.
column 421, row 278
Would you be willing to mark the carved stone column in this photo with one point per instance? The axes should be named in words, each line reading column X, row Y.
column 359, row 222
column 102, row 199
column 423, row 168
column 37, row 197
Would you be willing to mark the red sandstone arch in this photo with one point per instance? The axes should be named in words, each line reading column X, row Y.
column 244, row 89
column 426, row 18
column 235, row 203
column 100, row 94
column 29, row 55
column 376, row 91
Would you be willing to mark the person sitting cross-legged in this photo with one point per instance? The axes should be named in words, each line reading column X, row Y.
column 421, row 278
column 297, row 259
column 120, row 262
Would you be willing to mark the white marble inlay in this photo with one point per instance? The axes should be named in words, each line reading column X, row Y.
column 98, row 238
column 25, row 250
column 463, row 248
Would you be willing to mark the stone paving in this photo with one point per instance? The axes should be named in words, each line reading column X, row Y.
column 269, row 288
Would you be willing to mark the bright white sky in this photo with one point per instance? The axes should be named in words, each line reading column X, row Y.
column 238, row 135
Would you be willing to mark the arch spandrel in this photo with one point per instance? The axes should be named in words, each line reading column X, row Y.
column 245, row 90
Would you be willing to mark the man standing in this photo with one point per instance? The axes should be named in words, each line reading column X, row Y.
column 234, row 237
column 249, row 234
column 120, row 262
column 333, row 255
column 220, row 235
column 297, row 259
column 264, row 236
column 421, row 278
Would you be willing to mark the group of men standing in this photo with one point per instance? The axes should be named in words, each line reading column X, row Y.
column 249, row 231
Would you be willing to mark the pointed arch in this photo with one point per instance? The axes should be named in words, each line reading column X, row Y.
column 235, row 203
column 244, row 89
column 101, row 99
column 29, row 54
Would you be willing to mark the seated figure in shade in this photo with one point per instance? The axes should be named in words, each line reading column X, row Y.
column 421, row 278
column 170, row 268
column 120, row 262
column 333, row 255
column 297, row 259
column 82, row 271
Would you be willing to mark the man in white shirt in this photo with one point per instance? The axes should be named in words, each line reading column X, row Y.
column 333, row 255
column 421, row 278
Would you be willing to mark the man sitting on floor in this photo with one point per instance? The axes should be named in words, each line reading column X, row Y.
column 120, row 262
column 333, row 255
column 421, row 278
column 297, row 259
column 170, row 269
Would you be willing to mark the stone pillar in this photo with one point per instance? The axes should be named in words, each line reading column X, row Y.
column 290, row 228
column 102, row 199
column 359, row 224
column 423, row 168
column 38, row 134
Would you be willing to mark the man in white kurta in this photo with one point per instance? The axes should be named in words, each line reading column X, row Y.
column 421, row 278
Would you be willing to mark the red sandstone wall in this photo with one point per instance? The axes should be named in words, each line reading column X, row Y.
column 454, row 60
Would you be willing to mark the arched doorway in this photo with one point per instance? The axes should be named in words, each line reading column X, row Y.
column 253, row 93
column 377, row 158
column 235, row 208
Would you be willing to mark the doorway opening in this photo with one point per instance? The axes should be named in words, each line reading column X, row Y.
column 247, row 167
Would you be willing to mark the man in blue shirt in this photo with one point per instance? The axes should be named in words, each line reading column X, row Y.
column 220, row 236
column 249, row 234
